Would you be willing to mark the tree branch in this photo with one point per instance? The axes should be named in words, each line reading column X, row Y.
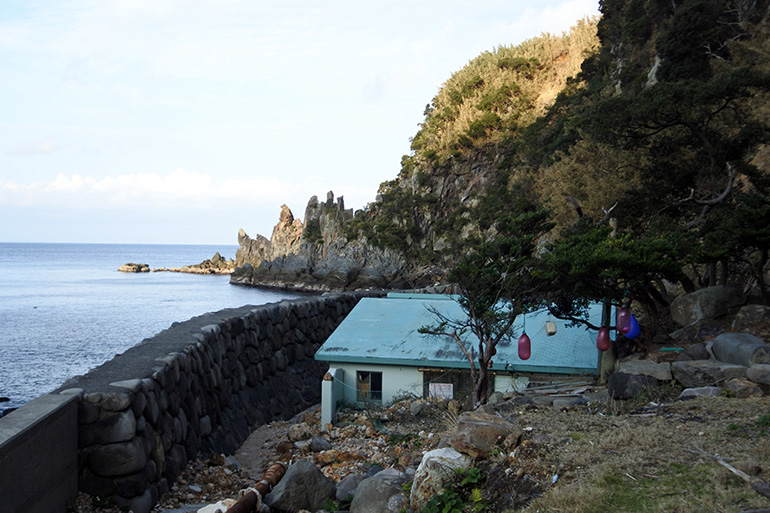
column 758, row 485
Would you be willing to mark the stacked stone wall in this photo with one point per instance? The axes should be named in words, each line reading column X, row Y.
column 199, row 387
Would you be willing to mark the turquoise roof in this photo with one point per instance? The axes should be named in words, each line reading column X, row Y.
column 385, row 331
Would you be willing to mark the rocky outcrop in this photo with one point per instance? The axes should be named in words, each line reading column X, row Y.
column 134, row 268
column 214, row 265
column 314, row 255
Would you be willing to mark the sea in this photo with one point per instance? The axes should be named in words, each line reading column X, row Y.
column 65, row 308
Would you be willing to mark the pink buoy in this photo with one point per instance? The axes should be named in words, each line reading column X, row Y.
column 525, row 347
column 623, row 320
column 603, row 338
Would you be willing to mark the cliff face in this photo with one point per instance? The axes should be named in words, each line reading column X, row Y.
column 314, row 255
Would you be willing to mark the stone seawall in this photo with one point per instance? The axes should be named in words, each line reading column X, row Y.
column 200, row 386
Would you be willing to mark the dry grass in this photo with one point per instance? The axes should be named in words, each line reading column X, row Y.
column 639, row 462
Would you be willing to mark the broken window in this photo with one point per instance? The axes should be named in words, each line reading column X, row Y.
column 369, row 386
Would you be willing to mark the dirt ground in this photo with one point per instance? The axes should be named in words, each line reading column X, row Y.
column 639, row 455
column 649, row 454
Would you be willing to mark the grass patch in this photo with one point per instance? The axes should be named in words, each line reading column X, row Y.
column 677, row 489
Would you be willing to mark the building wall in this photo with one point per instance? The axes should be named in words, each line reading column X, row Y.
column 38, row 455
column 396, row 381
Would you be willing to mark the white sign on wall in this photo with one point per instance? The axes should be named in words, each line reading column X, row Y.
column 441, row 390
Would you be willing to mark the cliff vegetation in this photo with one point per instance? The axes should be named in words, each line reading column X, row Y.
column 643, row 133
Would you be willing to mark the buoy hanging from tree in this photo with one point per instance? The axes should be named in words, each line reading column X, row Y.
column 635, row 329
column 623, row 320
column 603, row 338
column 525, row 346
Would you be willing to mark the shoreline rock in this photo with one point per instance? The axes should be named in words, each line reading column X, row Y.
column 134, row 268
column 214, row 265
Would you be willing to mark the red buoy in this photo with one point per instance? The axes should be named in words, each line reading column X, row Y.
column 623, row 320
column 603, row 338
column 525, row 347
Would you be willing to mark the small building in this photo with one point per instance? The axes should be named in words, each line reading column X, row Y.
column 377, row 353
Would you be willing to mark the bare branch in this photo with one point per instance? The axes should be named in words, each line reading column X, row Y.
column 708, row 203
column 576, row 206
column 607, row 214
column 758, row 485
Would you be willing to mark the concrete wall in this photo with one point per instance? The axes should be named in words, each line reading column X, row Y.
column 38, row 455
column 130, row 426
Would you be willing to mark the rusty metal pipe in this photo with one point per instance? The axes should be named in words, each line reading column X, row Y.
column 251, row 500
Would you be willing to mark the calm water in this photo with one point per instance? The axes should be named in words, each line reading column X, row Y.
column 64, row 308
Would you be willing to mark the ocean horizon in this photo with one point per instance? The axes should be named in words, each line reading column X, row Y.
column 65, row 308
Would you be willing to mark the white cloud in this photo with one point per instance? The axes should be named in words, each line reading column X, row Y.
column 32, row 149
column 259, row 103
column 175, row 189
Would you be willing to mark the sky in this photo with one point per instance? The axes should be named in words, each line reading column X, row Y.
column 182, row 121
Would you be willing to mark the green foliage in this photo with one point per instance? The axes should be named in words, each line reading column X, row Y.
column 764, row 421
column 589, row 265
column 312, row 232
column 460, row 496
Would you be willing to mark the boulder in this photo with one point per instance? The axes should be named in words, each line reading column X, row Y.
column 478, row 434
column 759, row 373
column 659, row 371
column 303, row 486
column 374, row 494
column 436, row 469
column 299, row 432
column 318, row 444
column 701, row 373
column 348, row 486
column 625, row 386
column 741, row 349
column 709, row 302
column 751, row 315
column 697, row 351
column 743, row 388
column 696, row 333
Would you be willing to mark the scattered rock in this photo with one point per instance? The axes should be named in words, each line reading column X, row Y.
column 318, row 444
column 299, row 432
column 478, row 434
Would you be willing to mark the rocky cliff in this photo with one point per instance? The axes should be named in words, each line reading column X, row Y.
column 315, row 255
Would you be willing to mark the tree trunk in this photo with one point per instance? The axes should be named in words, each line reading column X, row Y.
column 482, row 384
column 760, row 273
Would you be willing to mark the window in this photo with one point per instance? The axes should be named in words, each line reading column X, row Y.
column 369, row 385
